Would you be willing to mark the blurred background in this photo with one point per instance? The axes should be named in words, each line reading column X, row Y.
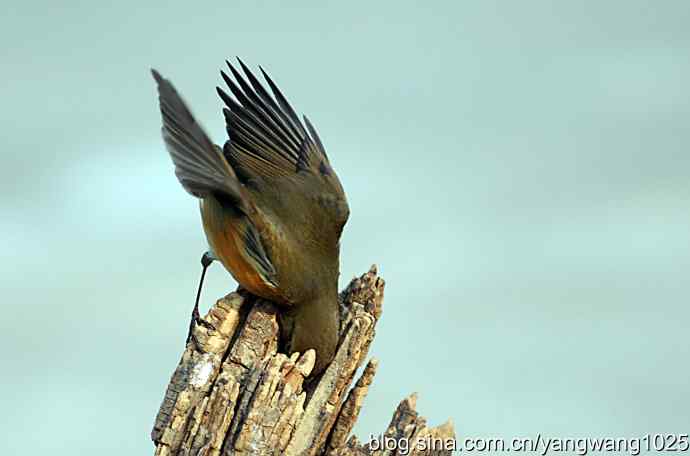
column 518, row 170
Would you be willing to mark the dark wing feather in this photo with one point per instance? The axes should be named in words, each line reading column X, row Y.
column 200, row 165
column 267, row 139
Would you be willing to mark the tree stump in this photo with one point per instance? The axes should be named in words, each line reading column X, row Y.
column 233, row 393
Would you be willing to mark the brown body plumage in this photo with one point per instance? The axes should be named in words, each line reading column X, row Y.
column 272, row 207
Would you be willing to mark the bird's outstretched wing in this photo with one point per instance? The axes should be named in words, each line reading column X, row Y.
column 203, row 171
column 268, row 142
column 200, row 165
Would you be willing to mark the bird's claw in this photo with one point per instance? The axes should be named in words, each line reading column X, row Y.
column 196, row 320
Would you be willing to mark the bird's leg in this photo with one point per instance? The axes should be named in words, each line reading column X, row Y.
column 206, row 259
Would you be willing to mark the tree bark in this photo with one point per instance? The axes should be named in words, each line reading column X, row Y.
column 233, row 393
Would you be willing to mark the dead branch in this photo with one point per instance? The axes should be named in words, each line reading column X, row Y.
column 233, row 393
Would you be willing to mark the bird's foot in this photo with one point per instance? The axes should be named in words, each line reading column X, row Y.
column 196, row 320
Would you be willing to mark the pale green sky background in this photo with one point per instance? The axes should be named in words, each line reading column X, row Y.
column 519, row 171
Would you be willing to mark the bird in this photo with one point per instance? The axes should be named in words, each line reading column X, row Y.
column 272, row 207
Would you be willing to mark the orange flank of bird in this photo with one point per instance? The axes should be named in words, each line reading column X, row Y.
column 227, row 243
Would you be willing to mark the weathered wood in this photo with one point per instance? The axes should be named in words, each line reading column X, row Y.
column 233, row 393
